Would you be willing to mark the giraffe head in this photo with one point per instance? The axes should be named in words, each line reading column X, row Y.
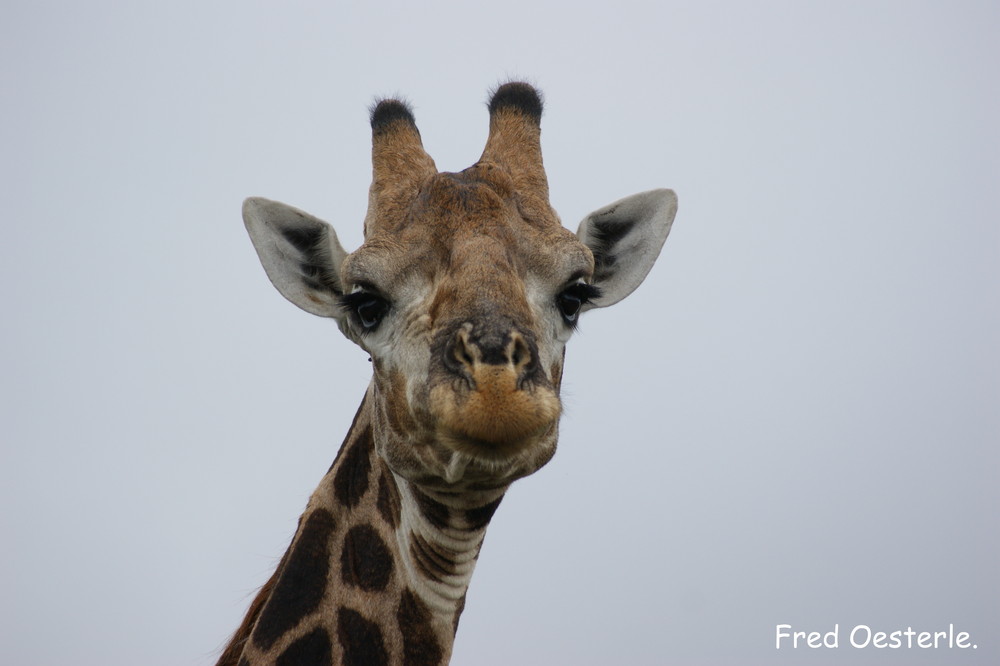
column 465, row 291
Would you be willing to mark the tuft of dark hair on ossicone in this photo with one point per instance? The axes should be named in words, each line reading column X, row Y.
column 387, row 111
column 519, row 96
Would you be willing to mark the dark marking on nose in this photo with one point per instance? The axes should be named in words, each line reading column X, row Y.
column 302, row 583
column 360, row 639
column 313, row 649
column 489, row 342
column 365, row 561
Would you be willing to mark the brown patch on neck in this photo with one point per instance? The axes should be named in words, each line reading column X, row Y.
column 361, row 640
column 231, row 655
column 300, row 588
column 313, row 648
column 351, row 431
column 294, row 563
column 350, row 482
column 296, row 587
column 458, row 613
column 388, row 502
column 365, row 560
column 420, row 645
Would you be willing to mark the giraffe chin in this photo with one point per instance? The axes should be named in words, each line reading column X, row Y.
column 496, row 420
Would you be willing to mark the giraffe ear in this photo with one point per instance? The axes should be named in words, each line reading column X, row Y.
column 626, row 238
column 300, row 253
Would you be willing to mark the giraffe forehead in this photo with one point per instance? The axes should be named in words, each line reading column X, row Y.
column 471, row 228
column 469, row 198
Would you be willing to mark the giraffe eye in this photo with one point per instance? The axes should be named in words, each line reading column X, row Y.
column 368, row 309
column 572, row 299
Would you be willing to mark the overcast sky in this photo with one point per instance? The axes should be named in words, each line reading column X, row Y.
column 793, row 420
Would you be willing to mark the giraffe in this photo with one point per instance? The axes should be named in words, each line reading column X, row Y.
column 464, row 293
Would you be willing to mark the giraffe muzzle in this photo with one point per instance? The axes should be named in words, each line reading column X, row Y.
column 496, row 400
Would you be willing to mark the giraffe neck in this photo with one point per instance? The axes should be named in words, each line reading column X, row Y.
column 377, row 571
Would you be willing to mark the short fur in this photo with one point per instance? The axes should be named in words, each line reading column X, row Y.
column 464, row 294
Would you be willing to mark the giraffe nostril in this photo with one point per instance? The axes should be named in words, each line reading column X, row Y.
column 463, row 355
column 468, row 349
column 463, row 349
column 520, row 353
column 459, row 354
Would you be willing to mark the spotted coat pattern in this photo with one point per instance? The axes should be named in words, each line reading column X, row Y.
column 341, row 594
column 464, row 293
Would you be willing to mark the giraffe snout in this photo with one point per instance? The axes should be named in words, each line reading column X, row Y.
column 470, row 352
column 503, row 398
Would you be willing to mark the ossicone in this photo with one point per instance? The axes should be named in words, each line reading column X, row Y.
column 517, row 96
column 385, row 112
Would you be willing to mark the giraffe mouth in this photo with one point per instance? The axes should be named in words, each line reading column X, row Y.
column 493, row 416
column 491, row 450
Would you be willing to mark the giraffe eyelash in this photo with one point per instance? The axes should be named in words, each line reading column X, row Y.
column 366, row 308
column 571, row 300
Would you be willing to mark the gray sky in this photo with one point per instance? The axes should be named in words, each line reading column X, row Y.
column 794, row 419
